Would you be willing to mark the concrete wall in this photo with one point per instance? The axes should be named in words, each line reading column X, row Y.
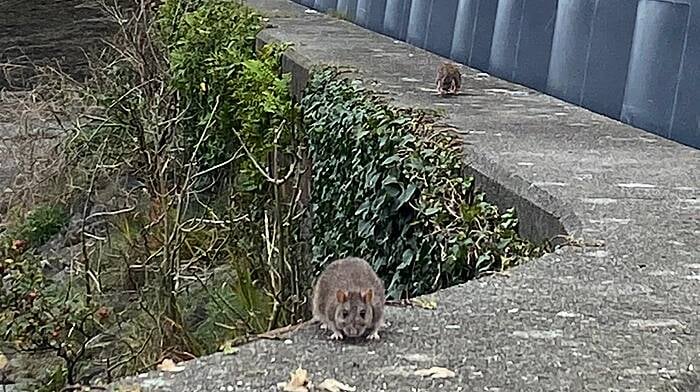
column 47, row 31
column 637, row 61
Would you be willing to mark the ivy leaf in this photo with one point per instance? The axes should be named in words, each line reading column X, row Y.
column 405, row 196
column 390, row 160
column 389, row 180
column 431, row 211
column 406, row 259
column 364, row 228
column 377, row 204
column 363, row 207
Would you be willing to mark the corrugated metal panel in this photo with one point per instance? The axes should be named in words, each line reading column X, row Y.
column 655, row 63
column 522, row 41
column 418, row 22
column 370, row 14
column 396, row 18
column 347, row 8
column 441, row 26
column 633, row 60
column 325, row 5
column 473, row 33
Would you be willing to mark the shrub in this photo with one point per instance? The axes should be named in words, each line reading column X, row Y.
column 200, row 126
column 40, row 225
column 39, row 315
column 394, row 192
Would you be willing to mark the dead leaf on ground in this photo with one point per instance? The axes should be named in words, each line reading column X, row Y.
column 228, row 349
column 130, row 388
column 299, row 382
column 435, row 372
column 424, row 302
column 19, row 245
column 169, row 366
column 3, row 361
column 332, row 385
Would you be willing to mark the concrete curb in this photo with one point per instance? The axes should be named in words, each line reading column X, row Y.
column 542, row 216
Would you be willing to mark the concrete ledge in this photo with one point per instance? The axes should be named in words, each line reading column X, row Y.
column 542, row 216
column 624, row 316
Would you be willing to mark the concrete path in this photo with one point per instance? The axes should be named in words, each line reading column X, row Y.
column 624, row 316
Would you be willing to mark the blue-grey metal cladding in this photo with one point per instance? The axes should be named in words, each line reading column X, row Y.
column 607, row 56
column 441, row 26
column 325, row 5
column 473, row 33
column 347, row 8
column 522, row 41
column 418, row 22
column 370, row 14
column 655, row 63
column 685, row 121
column 396, row 18
column 633, row 60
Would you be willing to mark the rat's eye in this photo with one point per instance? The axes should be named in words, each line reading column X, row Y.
column 362, row 313
column 345, row 313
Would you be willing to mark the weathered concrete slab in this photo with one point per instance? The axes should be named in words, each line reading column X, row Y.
column 621, row 317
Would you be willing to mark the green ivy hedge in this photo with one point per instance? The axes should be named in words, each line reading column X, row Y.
column 390, row 188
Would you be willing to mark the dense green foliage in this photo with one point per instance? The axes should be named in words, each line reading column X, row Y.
column 240, row 97
column 39, row 225
column 213, row 63
column 393, row 191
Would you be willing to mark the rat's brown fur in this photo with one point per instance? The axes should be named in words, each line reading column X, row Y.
column 349, row 299
column 449, row 79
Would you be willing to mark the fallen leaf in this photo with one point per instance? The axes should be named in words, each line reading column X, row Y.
column 103, row 312
column 332, row 385
column 435, row 372
column 424, row 302
column 169, row 366
column 3, row 361
column 228, row 349
column 19, row 245
column 298, row 382
column 130, row 388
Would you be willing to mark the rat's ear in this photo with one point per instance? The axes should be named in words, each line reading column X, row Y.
column 341, row 296
column 367, row 296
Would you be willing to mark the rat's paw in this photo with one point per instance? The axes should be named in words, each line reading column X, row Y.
column 324, row 326
column 373, row 336
column 337, row 336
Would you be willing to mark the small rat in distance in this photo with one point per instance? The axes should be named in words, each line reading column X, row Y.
column 449, row 79
column 349, row 299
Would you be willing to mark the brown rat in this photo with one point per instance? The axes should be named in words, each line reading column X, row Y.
column 449, row 79
column 349, row 299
